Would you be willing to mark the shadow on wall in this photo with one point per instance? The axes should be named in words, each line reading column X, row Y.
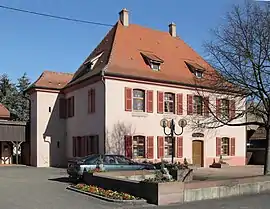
column 54, row 137
column 115, row 143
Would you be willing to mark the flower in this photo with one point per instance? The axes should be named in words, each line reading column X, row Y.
column 106, row 193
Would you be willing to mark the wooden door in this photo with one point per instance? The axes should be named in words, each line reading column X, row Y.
column 197, row 153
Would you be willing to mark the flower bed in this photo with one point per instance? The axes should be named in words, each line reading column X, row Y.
column 105, row 193
column 96, row 170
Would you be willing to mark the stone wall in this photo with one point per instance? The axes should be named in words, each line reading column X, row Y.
column 179, row 192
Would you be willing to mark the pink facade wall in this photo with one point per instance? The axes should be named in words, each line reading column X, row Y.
column 82, row 123
column 110, row 121
column 148, row 124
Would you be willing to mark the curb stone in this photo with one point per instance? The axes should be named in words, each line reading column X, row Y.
column 133, row 202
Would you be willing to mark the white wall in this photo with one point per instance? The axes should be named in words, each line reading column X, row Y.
column 46, row 130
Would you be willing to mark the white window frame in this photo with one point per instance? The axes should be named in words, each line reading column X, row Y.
column 225, row 111
column 153, row 64
column 138, row 98
column 93, row 61
column 195, row 105
column 225, row 144
column 167, row 102
column 136, row 145
column 168, row 144
column 198, row 73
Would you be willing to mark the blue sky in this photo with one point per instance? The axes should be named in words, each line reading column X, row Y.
column 33, row 44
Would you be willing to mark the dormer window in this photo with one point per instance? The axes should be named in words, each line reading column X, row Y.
column 92, row 62
column 152, row 60
column 196, row 69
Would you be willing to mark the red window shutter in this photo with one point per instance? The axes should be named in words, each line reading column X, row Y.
column 128, row 99
column 93, row 100
column 128, row 146
column 160, row 102
column 68, row 107
column 232, row 146
column 179, row 104
column 206, row 106
column 218, row 106
column 89, row 101
column 74, row 146
column 232, row 109
column 79, row 147
column 62, row 108
column 218, row 146
column 89, row 145
column 94, row 144
column 160, row 146
column 71, row 106
column 189, row 104
column 85, row 146
column 180, row 146
column 150, row 147
column 149, row 101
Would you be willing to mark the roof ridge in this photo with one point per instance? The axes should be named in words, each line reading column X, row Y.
column 113, row 46
column 55, row 72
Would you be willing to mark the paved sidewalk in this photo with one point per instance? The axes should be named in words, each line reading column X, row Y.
column 227, row 172
column 261, row 201
column 45, row 188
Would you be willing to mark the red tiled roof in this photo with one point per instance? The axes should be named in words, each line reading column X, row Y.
column 4, row 113
column 122, row 48
column 52, row 80
column 130, row 41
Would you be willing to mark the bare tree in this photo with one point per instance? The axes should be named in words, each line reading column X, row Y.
column 115, row 138
column 240, row 52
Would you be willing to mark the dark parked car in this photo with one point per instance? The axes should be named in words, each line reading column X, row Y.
column 77, row 166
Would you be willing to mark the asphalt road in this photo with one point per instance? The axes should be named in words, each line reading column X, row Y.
column 44, row 188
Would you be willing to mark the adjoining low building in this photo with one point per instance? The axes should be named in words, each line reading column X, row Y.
column 12, row 135
column 115, row 101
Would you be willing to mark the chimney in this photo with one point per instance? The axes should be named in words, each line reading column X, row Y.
column 123, row 17
column 172, row 29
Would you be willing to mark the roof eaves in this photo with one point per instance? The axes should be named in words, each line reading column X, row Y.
column 41, row 87
column 76, row 82
column 113, row 74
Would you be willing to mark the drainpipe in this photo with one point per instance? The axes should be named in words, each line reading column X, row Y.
column 104, row 106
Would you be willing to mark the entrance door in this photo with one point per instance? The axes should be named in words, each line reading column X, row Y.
column 197, row 153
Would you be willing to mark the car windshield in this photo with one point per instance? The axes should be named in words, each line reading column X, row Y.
column 122, row 160
column 89, row 157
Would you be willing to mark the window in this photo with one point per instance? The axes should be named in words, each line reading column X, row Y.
column 155, row 66
column 169, row 105
column 225, row 108
column 138, row 146
column 138, row 100
column 70, row 107
column 109, row 159
column 198, row 74
column 91, row 63
column 152, row 60
column 122, row 160
column 85, row 145
column 168, row 147
column 198, row 105
column 225, row 146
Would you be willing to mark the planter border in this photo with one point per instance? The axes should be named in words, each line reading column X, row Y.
column 139, row 201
